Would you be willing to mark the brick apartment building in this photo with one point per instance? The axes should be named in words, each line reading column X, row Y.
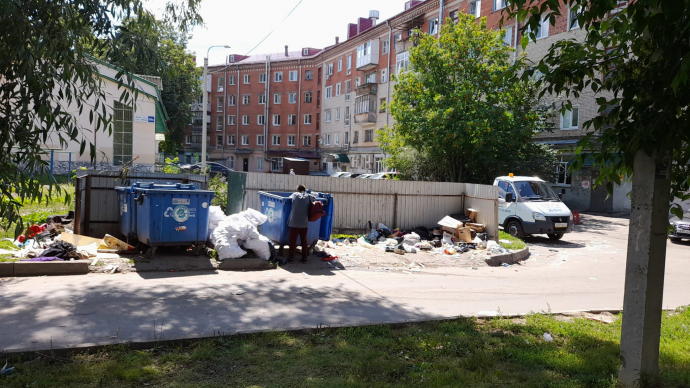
column 324, row 104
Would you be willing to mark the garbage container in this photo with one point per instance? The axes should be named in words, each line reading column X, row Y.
column 277, row 206
column 171, row 215
column 326, row 228
column 127, row 212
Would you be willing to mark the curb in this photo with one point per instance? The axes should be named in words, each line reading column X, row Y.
column 507, row 258
column 6, row 270
column 245, row 265
column 50, row 268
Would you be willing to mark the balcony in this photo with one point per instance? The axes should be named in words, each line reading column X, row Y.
column 367, row 88
column 365, row 109
column 198, row 107
column 368, row 55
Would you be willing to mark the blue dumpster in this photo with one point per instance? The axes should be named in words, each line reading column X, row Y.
column 127, row 212
column 277, row 206
column 326, row 221
column 171, row 215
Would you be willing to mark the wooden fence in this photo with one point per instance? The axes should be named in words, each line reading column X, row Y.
column 397, row 204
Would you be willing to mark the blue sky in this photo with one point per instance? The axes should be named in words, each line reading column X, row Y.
column 243, row 24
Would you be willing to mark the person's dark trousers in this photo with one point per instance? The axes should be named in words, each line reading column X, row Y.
column 302, row 233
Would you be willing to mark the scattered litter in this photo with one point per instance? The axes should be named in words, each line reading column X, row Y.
column 548, row 337
column 238, row 292
column 112, row 268
column 304, row 275
column 505, row 242
column 506, row 265
column 5, row 370
column 95, row 261
column 475, row 268
column 592, row 278
column 553, row 250
column 407, row 272
column 527, row 341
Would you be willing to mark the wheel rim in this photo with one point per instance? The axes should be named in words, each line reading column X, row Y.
column 513, row 230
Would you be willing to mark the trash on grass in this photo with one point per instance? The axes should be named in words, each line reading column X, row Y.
column 548, row 337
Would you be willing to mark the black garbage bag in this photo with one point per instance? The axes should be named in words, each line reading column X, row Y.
column 422, row 232
column 60, row 249
column 483, row 236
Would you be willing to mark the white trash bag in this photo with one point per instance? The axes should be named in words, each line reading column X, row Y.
column 259, row 246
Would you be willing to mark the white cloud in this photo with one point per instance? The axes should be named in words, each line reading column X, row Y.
column 243, row 24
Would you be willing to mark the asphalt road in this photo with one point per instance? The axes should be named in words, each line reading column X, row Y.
column 585, row 271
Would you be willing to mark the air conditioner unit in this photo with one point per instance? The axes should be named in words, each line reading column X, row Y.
column 328, row 76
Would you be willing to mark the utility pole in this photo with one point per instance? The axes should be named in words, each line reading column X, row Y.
column 204, row 103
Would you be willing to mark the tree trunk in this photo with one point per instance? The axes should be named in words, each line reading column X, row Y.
column 461, row 168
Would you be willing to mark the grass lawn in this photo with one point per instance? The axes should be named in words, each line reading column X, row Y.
column 515, row 243
column 456, row 353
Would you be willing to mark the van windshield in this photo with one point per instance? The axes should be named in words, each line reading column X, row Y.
column 535, row 191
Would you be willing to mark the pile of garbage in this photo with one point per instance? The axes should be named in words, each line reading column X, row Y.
column 230, row 234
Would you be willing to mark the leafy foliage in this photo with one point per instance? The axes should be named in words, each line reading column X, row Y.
column 47, row 79
column 219, row 185
column 637, row 59
column 459, row 114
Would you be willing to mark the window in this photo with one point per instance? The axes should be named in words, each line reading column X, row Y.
column 347, row 116
column 402, row 62
column 232, row 58
column 291, row 140
column 565, row 176
column 198, row 118
column 306, row 140
column 245, row 99
column 433, row 26
column 219, row 123
column 337, row 114
column 262, row 99
column 364, row 50
column 570, row 119
column 307, row 119
column 278, row 76
column 220, row 101
column 262, row 78
column 370, row 78
column 309, row 75
column 454, row 16
column 329, row 69
column 259, row 139
column 505, row 188
column 340, row 65
column 386, row 46
column 327, row 115
column 276, row 120
column 293, row 75
column 231, row 162
column 260, row 163
column 348, row 90
column 231, row 120
column 305, row 52
column 307, row 97
column 337, row 89
column 277, row 98
column 572, row 17
column 261, row 119
column 329, row 92
column 221, row 83
column 475, row 7
column 231, row 100
column 384, row 76
column 499, row 4
column 245, row 120
column 508, row 37
column 276, row 140
column 337, row 139
column 327, row 139
column 292, row 119
column 355, row 137
column 246, row 78
column 231, row 80
column 276, row 165
column 347, row 138
column 292, row 98
column 219, row 142
column 368, row 135
column 231, row 140
column 122, row 133
column 188, row 139
column 245, row 140
column 397, row 37
column 349, row 64
column 382, row 105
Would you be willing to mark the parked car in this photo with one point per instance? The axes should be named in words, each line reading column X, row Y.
column 215, row 168
column 384, row 175
column 339, row 174
column 351, row 175
column 364, row 176
column 679, row 230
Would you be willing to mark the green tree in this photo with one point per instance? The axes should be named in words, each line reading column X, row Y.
column 460, row 107
column 44, row 69
column 152, row 47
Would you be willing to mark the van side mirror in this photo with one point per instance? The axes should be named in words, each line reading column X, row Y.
column 510, row 197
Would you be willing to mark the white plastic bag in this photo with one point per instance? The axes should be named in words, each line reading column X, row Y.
column 412, row 238
column 363, row 243
column 447, row 238
column 259, row 246
column 254, row 217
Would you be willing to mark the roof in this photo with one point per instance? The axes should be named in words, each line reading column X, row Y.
column 296, row 159
column 520, row 178
column 274, row 57
column 341, row 158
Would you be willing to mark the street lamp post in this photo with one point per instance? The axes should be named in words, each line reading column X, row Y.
column 204, row 104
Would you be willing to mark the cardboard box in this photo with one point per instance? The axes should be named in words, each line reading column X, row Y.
column 479, row 228
column 452, row 231
column 471, row 213
column 464, row 235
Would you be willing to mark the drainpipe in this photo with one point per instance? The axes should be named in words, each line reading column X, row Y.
column 237, row 110
column 440, row 17
column 225, row 104
column 516, row 40
column 388, row 84
column 299, row 104
column 267, row 90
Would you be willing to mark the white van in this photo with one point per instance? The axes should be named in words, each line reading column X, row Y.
column 527, row 205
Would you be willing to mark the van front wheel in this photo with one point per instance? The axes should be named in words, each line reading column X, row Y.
column 514, row 228
column 556, row 236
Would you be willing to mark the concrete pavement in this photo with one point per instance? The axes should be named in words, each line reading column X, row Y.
column 584, row 272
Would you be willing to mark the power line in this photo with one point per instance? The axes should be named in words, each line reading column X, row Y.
column 281, row 22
